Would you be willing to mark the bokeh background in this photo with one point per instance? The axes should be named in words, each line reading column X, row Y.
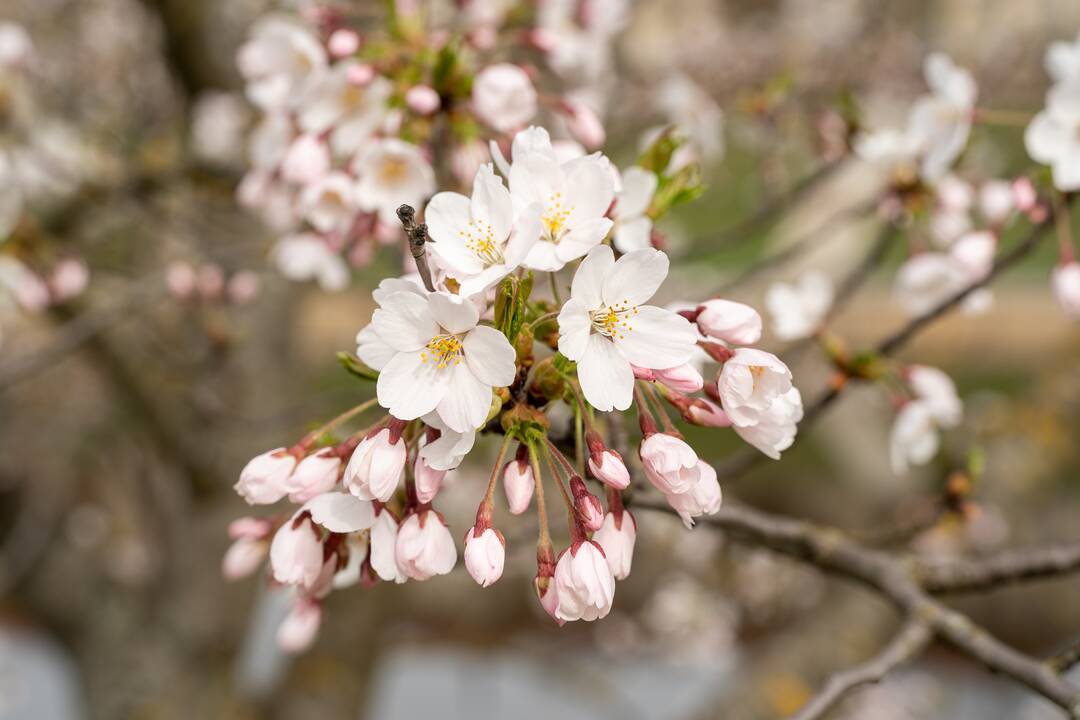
column 126, row 416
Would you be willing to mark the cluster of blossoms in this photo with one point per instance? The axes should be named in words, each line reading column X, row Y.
column 354, row 124
column 964, row 220
column 209, row 283
column 38, row 163
column 479, row 352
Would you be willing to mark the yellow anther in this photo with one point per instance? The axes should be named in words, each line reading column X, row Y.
column 445, row 351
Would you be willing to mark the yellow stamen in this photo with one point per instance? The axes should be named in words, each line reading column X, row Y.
column 445, row 351
column 614, row 321
column 555, row 217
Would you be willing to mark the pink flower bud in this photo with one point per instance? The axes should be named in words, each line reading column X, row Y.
column 607, row 465
column 424, row 546
column 68, row 279
column 519, row 483
column 243, row 287
column 641, row 373
column 376, row 467
column 422, row 99
column 342, row 43
column 703, row 497
column 297, row 633
column 503, row 96
column 252, row 528
column 587, row 506
column 242, row 558
column 584, row 583
column 1066, row 283
column 382, row 554
column 485, row 555
column 428, row 480
column 264, row 480
column 1024, row 194
column 729, row 321
column 617, row 537
column 314, row 475
column 548, row 596
column 683, row 378
column 707, row 413
column 180, row 279
column 670, row 464
column 360, row 74
column 296, row 552
column 584, row 124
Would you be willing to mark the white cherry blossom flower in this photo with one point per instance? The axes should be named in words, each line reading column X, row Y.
column 605, row 327
column 776, row 428
column 1053, row 136
column 328, row 203
column 574, row 197
column 750, row 383
column 1062, row 60
column 1066, row 284
column 503, row 96
column 798, row 309
column 938, row 392
column 391, row 172
column 307, row 257
column 443, row 361
column 479, row 240
column 584, row 583
column 914, row 437
column 278, row 60
column 941, row 121
column 351, row 111
column 633, row 226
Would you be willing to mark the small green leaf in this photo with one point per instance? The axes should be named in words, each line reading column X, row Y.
column 353, row 366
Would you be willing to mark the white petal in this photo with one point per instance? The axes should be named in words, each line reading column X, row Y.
column 542, row 257
column 658, row 339
column 606, row 376
column 574, row 329
column 638, row 188
column 636, row 277
column 404, row 322
column 491, row 202
column 410, row 387
column 635, row 234
column 589, row 187
column 341, row 512
column 371, row 349
column 467, row 401
column 490, row 356
column 589, row 279
column 1044, row 138
column 582, row 238
column 455, row 314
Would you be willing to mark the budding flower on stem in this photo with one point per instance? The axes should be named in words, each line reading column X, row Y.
column 519, row 482
column 424, row 546
column 606, row 465
column 378, row 464
column 265, row 479
column 300, row 627
column 485, row 554
column 617, row 536
column 587, row 506
column 729, row 321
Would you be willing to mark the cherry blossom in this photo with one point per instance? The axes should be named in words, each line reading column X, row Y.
column 799, row 309
column 605, row 328
column 1053, row 136
column 1066, row 284
column 584, row 584
column 503, row 96
column 443, row 360
column 391, row 173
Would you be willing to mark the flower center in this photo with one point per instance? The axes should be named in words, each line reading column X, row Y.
column 480, row 238
column 555, row 217
column 353, row 96
column 613, row 321
column 443, row 351
column 393, row 170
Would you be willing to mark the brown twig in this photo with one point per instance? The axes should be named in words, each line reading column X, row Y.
column 908, row 643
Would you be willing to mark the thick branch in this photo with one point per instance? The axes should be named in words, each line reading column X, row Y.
column 909, row 642
column 896, row 579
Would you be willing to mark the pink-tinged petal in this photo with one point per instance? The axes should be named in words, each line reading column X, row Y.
column 467, row 401
column 605, row 375
column 341, row 512
column 490, row 356
column 455, row 314
column 636, row 277
column 589, row 279
column 404, row 322
column 410, row 386
column 657, row 339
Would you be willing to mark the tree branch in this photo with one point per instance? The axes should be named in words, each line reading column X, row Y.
column 956, row 576
column 897, row 579
column 909, row 642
